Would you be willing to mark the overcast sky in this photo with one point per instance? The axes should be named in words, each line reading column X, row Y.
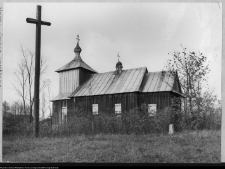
column 143, row 34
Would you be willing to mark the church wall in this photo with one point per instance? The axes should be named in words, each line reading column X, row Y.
column 161, row 99
column 57, row 112
column 68, row 81
column 106, row 103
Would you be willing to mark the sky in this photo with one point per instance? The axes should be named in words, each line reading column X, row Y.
column 142, row 33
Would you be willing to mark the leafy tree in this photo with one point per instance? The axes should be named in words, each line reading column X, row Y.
column 192, row 70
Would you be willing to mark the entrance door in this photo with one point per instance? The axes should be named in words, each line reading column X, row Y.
column 64, row 115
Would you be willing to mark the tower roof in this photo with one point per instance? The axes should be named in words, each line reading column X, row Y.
column 74, row 64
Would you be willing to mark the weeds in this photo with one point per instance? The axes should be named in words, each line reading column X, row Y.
column 132, row 137
column 137, row 121
column 183, row 147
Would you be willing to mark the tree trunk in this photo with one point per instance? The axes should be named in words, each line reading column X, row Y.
column 31, row 117
column 24, row 107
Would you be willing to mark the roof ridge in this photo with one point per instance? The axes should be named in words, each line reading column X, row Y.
column 159, row 71
column 123, row 70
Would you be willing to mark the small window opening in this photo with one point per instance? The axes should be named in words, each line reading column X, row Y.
column 118, row 109
column 95, row 109
column 152, row 109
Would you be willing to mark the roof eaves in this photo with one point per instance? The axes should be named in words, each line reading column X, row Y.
column 183, row 95
column 75, row 68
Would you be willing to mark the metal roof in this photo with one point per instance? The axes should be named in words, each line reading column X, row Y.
column 75, row 63
column 131, row 80
column 62, row 97
column 158, row 82
column 109, row 83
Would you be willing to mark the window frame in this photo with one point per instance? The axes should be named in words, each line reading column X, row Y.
column 120, row 107
column 64, row 115
column 149, row 110
column 93, row 112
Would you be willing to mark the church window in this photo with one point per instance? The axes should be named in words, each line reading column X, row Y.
column 95, row 109
column 64, row 115
column 152, row 109
column 64, row 112
column 118, row 109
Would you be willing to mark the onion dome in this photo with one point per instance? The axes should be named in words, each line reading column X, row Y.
column 77, row 49
column 119, row 64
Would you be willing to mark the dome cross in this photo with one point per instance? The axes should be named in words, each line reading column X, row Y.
column 118, row 56
column 78, row 39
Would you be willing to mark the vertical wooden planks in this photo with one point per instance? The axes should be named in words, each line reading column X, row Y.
column 68, row 81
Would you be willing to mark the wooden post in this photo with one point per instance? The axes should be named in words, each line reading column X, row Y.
column 38, row 23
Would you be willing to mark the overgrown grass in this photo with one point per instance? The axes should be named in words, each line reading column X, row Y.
column 186, row 147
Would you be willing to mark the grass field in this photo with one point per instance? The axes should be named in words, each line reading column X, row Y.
column 187, row 147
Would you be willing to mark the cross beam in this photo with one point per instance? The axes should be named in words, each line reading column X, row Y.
column 35, row 21
column 38, row 23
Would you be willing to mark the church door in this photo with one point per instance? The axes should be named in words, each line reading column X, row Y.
column 64, row 112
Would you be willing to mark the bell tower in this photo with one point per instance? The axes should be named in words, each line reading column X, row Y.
column 73, row 73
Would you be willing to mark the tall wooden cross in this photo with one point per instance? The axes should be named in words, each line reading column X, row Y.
column 38, row 23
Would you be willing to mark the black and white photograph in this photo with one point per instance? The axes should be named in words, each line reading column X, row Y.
column 111, row 82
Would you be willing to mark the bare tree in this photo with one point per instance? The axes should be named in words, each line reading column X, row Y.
column 20, row 84
column 25, row 77
column 43, row 104
column 17, row 108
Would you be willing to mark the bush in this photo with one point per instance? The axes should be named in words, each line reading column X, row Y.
column 105, row 123
column 138, row 121
column 78, row 125
column 15, row 125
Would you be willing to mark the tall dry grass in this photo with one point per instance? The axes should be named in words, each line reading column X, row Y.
column 184, row 147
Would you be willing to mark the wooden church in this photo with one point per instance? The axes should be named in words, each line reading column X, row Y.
column 117, row 91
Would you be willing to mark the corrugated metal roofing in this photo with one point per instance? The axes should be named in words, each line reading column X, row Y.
column 158, row 82
column 75, row 63
column 62, row 97
column 109, row 83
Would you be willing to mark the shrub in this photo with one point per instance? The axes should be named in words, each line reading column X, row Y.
column 105, row 123
column 78, row 125
column 139, row 121
column 15, row 125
